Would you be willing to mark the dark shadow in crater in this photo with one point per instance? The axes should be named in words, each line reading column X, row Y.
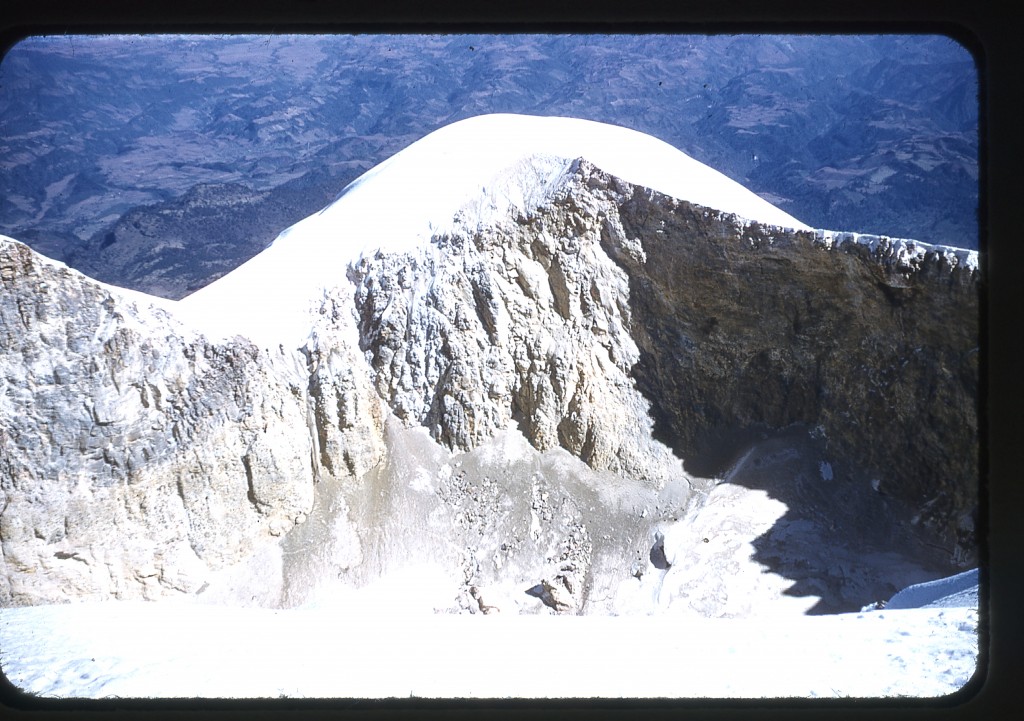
column 733, row 334
column 839, row 539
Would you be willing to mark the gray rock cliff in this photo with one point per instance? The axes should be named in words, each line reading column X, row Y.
column 135, row 454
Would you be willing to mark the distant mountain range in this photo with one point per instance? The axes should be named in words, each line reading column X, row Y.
column 160, row 163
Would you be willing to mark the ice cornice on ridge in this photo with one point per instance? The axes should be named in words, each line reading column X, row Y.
column 904, row 252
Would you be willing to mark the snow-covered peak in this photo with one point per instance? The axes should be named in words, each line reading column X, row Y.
column 502, row 162
column 492, row 156
column 480, row 169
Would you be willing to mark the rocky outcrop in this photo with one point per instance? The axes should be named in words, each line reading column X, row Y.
column 137, row 456
column 521, row 406
column 524, row 324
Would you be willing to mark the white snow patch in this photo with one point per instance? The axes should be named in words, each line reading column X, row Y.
column 415, row 591
column 422, row 481
column 958, row 590
column 826, row 471
column 711, row 570
column 137, row 649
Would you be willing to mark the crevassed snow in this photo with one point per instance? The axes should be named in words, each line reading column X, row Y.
column 480, row 170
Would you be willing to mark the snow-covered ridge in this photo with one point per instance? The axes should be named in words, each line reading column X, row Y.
column 960, row 590
column 472, row 172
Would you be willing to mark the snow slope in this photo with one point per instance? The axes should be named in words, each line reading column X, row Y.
column 957, row 591
column 168, row 649
column 482, row 170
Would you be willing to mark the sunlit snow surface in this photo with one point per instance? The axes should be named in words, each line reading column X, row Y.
column 474, row 172
column 139, row 649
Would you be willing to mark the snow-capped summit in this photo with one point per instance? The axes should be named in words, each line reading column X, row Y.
column 509, row 160
column 480, row 169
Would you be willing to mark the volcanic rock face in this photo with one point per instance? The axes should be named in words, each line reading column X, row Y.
column 136, row 454
column 872, row 343
column 526, row 323
column 519, row 406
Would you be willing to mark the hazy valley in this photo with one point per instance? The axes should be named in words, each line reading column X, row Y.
column 107, row 142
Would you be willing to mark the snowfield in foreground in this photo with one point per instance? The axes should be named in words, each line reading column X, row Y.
column 138, row 649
